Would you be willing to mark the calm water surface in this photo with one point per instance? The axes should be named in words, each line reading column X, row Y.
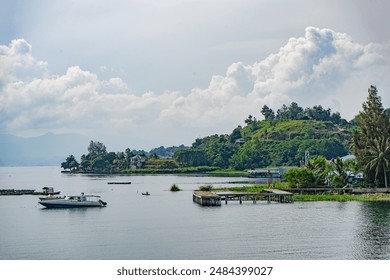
column 169, row 225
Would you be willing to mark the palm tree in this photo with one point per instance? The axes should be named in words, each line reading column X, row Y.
column 379, row 157
column 340, row 176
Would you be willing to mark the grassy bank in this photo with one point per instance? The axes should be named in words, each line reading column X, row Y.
column 342, row 197
column 311, row 197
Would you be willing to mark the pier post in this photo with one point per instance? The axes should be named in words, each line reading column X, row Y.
column 240, row 199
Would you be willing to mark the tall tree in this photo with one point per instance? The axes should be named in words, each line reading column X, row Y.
column 295, row 112
column 340, row 175
column 70, row 163
column 268, row 113
column 371, row 141
column 96, row 148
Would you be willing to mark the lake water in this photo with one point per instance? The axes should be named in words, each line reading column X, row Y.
column 168, row 225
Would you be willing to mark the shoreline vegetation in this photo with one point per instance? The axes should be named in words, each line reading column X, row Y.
column 198, row 170
column 207, row 171
column 315, row 147
column 368, row 197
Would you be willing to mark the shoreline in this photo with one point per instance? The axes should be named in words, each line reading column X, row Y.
column 370, row 196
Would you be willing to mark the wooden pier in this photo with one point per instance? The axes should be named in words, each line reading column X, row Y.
column 206, row 198
column 269, row 195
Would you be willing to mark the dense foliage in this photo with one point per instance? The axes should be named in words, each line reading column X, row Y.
column 166, row 152
column 270, row 142
column 279, row 140
column 371, row 142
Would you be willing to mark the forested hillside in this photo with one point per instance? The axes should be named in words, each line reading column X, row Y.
column 280, row 139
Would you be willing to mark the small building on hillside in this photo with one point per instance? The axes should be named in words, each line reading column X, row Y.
column 240, row 142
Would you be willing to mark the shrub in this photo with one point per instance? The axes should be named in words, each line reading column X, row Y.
column 300, row 177
column 175, row 188
column 206, row 188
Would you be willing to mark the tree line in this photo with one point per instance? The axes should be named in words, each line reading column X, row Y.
column 280, row 139
column 370, row 143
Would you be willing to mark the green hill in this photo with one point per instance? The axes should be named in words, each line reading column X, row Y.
column 268, row 143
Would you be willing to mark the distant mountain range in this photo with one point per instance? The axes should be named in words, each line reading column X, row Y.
column 45, row 150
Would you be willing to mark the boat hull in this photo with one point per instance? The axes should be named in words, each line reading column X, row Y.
column 64, row 203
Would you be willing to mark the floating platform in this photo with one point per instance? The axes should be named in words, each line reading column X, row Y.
column 269, row 195
column 206, row 198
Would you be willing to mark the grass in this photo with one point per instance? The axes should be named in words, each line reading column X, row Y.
column 207, row 188
column 341, row 197
column 312, row 197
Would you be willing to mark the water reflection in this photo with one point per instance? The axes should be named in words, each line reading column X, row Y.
column 373, row 233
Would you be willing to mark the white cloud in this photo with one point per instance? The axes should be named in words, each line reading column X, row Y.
column 17, row 62
column 322, row 67
column 310, row 70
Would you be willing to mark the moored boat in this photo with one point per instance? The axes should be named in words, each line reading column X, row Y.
column 47, row 191
column 265, row 173
column 74, row 201
column 15, row 192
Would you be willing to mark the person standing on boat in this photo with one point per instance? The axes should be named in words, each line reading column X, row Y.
column 82, row 197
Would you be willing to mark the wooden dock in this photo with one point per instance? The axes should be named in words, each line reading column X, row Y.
column 269, row 195
column 206, row 198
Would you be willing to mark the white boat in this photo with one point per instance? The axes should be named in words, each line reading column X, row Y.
column 74, row 201
column 49, row 197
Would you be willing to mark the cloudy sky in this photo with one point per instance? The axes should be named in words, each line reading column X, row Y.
column 144, row 73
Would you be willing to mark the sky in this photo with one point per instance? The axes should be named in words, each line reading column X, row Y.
column 142, row 74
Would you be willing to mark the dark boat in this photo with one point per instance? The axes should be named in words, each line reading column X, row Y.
column 147, row 193
column 47, row 191
column 15, row 192
column 265, row 173
column 119, row 183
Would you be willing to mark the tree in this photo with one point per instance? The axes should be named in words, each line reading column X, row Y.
column 318, row 113
column 300, row 177
column 371, row 141
column 282, row 113
column 379, row 157
column 320, row 168
column 340, row 172
column 251, row 155
column 70, row 163
column 96, row 149
column 128, row 156
column 191, row 157
column 250, row 120
column 373, row 120
column 268, row 113
column 235, row 135
column 295, row 112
